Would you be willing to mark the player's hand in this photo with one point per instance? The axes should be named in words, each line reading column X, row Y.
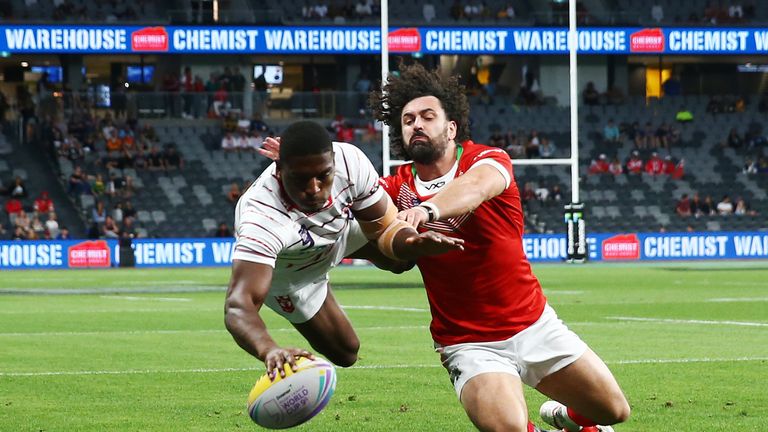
column 415, row 216
column 279, row 358
column 270, row 148
column 433, row 243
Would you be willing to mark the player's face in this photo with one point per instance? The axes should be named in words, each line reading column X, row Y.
column 426, row 129
column 307, row 180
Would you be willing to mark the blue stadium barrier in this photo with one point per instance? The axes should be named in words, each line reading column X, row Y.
column 207, row 252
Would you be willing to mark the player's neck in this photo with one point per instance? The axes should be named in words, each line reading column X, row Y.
column 439, row 167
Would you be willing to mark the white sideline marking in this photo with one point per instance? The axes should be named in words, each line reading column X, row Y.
column 681, row 321
column 136, row 298
column 738, row 299
column 147, row 332
column 396, row 366
column 387, row 308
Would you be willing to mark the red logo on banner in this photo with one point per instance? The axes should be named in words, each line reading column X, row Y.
column 621, row 247
column 405, row 40
column 89, row 254
column 149, row 39
column 647, row 40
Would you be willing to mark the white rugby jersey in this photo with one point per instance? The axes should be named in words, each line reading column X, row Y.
column 302, row 247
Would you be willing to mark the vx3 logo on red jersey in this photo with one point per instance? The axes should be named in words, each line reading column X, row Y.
column 434, row 186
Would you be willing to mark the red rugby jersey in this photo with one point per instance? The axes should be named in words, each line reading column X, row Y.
column 486, row 292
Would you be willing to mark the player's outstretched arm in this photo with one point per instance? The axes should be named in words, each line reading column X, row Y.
column 461, row 196
column 248, row 287
column 398, row 240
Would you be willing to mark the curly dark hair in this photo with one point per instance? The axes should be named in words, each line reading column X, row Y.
column 415, row 81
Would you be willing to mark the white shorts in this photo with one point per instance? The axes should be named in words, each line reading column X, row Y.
column 299, row 303
column 536, row 352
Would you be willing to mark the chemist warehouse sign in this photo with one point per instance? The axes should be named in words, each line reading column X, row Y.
column 538, row 248
column 367, row 40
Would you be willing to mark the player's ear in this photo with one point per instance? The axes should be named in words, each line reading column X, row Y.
column 452, row 128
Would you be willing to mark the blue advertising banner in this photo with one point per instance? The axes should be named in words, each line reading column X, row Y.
column 73, row 39
column 206, row 252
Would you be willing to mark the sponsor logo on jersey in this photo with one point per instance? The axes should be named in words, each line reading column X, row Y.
column 306, row 238
column 286, row 304
column 647, row 40
column 621, row 247
column 434, row 186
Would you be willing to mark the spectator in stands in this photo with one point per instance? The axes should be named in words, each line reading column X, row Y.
column 254, row 140
column 13, row 207
column 615, row 167
column 172, row 159
column 611, row 133
column 98, row 187
column 99, row 213
column 36, row 225
column 78, row 182
column 43, row 204
column 155, row 159
column 22, row 220
column 63, row 234
column 735, row 12
column 457, row 10
column 19, row 233
column 496, row 139
column 707, row 208
column 514, row 147
column 591, row 95
column 645, row 138
column 428, row 12
column 662, row 136
column 507, row 12
column 128, row 210
column 110, row 229
column 229, row 143
column 234, row 193
column 655, row 165
column 532, row 147
column 18, row 189
column 683, row 207
column 742, row 208
column 657, row 13
column 684, row 115
column 127, row 229
column 546, row 148
column 679, row 171
column 258, row 124
column 725, row 206
column 695, row 205
column 599, row 165
column 750, row 167
column 223, row 231
column 733, row 140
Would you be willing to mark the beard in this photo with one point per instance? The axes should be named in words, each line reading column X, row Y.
column 427, row 150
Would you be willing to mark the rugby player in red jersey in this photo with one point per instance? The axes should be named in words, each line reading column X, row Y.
column 491, row 322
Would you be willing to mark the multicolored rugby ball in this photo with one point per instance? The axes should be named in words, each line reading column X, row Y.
column 293, row 400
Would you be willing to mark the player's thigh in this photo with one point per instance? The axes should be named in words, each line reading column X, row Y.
column 494, row 401
column 330, row 332
column 589, row 387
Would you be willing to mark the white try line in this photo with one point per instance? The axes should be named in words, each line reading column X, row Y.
column 172, row 332
column 260, row 369
column 137, row 298
column 738, row 299
column 682, row 321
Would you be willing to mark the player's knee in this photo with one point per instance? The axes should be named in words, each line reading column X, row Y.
column 346, row 355
column 617, row 412
column 503, row 424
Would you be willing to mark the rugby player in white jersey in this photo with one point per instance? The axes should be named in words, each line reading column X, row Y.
column 319, row 203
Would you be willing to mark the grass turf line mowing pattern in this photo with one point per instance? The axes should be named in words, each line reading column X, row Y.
column 142, row 363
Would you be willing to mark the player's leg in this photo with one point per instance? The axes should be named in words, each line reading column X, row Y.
column 495, row 402
column 588, row 391
column 486, row 380
column 330, row 333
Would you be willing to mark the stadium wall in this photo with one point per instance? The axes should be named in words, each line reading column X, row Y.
column 206, row 252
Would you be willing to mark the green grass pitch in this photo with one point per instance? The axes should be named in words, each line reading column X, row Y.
column 146, row 350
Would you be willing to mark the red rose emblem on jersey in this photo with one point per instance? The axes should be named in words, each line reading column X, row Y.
column 286, row 304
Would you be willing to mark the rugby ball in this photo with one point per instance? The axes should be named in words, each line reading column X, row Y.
column 290, row 401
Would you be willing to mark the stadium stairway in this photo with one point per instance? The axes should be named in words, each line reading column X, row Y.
column 39, row 175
